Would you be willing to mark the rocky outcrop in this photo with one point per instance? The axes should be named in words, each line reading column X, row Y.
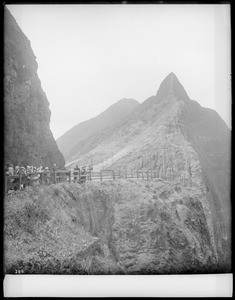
column 181, row 142
column 162, row 229
column 28, row 138
column 109, row 119
column 115, row 227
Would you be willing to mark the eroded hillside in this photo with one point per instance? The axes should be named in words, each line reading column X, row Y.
column 178, row 139
column 69, row 142
column 113, row 227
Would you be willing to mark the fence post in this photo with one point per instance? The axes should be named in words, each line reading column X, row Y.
column 20, row 180
column 119, row 174
column 79, row 175
column 75, row 178
column 113, row 175
column 54, row 176
column 90, row 175
column 70, row 176
column 40, row 180
column 142, row 174
column 100, row 175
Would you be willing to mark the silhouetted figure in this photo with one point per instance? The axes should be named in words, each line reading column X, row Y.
column 83, row 175
column 76, row 173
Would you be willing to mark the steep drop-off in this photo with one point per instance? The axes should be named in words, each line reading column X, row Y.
column 28, row 138
column 115, row 227
column 181, row 141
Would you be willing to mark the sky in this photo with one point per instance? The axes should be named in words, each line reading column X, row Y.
column 91, row 56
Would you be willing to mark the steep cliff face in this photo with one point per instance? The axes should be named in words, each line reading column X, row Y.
column 116, row 227
column 211, row 139
column 182, row 142
column 28, row 139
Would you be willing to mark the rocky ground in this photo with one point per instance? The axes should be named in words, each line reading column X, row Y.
column 180, row 141
column 113, row 227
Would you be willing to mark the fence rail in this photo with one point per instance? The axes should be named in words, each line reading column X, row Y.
column 18, row 182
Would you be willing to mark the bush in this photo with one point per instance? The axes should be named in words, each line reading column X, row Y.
column 56, row 191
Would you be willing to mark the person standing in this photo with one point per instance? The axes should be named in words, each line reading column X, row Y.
column 54, row 168
column 83, row 175
column 76, row 173
column 47, row 175
column 16, row 181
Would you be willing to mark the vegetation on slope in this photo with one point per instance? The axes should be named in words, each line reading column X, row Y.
column 115, row 227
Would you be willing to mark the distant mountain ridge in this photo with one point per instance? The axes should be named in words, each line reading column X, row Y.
column 83, row 130
column 144, row 115
column 178, row 139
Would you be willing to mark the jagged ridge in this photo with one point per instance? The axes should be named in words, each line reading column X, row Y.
column 178, row 139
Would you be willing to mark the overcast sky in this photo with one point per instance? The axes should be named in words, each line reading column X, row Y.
column 90, row 56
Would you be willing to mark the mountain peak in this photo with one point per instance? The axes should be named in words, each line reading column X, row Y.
column 172, row 76
column 171, row 86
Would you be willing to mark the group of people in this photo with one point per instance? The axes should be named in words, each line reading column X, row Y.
column 30, row 175
column 83, row 173
column 20, row 170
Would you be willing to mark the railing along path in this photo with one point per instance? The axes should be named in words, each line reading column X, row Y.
column 18, row 182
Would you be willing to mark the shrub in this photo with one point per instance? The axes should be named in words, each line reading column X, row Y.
column 56, row 191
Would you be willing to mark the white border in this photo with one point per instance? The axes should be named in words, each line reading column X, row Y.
column 220, row 285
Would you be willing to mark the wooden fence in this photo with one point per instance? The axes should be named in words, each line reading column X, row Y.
column 16, row 182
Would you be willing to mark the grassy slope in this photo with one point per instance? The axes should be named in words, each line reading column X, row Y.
column 122, row 227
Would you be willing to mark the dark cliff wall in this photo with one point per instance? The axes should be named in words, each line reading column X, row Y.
column 28, row 138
